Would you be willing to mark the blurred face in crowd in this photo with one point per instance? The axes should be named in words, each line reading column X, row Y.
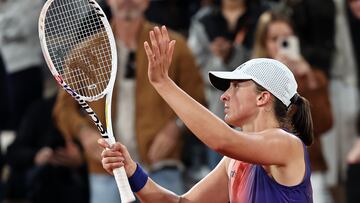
column 355, row 8
column 232, row 2
column 277, row 30
column 128, row 9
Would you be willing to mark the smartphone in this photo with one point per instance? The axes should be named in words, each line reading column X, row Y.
column 290, row 47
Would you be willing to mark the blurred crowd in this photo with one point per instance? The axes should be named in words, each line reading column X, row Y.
column 54, row 156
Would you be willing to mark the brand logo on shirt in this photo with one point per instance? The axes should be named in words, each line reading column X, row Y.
column 232, row 173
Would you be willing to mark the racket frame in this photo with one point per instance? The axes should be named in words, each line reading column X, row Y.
column 106, row 132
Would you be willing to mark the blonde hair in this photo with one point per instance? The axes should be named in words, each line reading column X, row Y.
column 262, row 29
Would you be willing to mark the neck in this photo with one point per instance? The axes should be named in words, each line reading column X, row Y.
column 122, row 21
column 263, row 121
column 232, row 12
column 233, row 6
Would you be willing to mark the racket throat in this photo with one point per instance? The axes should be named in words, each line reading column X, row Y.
column 88, row 110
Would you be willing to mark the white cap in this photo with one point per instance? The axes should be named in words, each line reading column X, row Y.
column 271, row 74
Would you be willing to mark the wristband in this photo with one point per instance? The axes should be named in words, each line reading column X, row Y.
column 138, row 180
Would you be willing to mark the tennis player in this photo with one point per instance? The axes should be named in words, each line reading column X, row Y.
column 264, row 162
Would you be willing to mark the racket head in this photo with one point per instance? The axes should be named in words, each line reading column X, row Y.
column 79, row 47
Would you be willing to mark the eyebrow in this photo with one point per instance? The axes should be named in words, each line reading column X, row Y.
column 240, row 81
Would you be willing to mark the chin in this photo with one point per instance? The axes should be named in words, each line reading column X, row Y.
column 228, row 120
column 127, row 14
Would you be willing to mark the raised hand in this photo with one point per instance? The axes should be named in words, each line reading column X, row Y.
column 159, row 54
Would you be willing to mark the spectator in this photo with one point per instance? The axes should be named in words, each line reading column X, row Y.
column 345, row 99
column 3, row 120
column 353, row 170
column 44, row 167
column 4, row 106
column 314, row 23
column 353, row 157
column 174, row 13
column 20, row 49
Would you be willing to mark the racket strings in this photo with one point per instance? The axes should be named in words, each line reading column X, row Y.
column 79, row 46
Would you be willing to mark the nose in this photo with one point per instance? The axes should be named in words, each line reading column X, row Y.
column 225, row 96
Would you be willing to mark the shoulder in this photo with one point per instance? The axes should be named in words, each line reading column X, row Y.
column 282, row 136
column 279, row 132
column 211, row 15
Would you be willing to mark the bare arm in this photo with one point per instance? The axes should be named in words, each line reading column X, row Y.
column 277, row 147
column 213, row 187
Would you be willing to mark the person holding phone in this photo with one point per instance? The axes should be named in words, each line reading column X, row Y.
column 275, row 38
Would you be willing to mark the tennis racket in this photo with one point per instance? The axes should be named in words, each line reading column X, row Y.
column 80, row 51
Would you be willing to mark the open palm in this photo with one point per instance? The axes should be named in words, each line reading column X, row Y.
column 159, row 54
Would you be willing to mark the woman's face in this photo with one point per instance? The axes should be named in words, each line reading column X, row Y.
column 276, row 31
column 239, row 102
column 128, row 9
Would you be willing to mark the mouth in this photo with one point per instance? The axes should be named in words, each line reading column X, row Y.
column 226, row 109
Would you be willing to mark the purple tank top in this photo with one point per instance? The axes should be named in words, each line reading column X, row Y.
column 249, row 183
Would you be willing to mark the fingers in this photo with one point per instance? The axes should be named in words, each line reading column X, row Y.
column 112, row 158
column 154, row 44
column 159, row 52
column 102, row 142
column 163, row 39
column 171, row 50
column 110, row 166
column 149, row 53
column 113, row 161
column 160, row 41
column 165, row 33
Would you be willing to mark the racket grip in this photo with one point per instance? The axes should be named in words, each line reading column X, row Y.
column 123, row 185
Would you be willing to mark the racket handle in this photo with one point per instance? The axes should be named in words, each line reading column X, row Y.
column 123, row 185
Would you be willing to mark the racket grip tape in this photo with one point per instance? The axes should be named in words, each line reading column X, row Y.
column 123, row 185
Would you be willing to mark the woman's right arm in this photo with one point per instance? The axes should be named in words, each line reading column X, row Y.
column 213, row 187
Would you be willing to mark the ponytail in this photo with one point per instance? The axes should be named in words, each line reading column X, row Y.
column 296, row 118
column 301, row 119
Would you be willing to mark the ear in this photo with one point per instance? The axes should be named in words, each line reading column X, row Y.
column 263, row 98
